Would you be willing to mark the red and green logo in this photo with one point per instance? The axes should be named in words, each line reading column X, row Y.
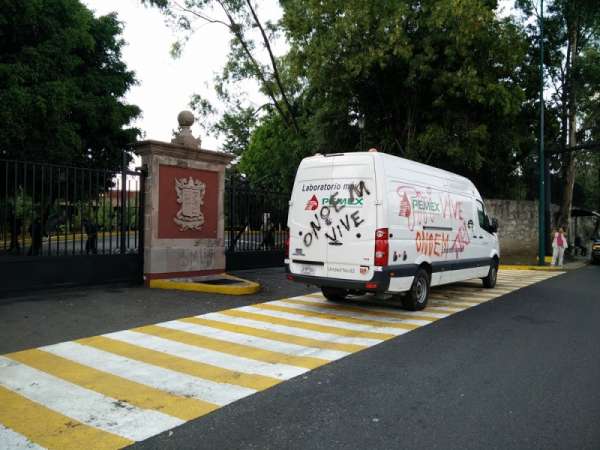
column 312, row 204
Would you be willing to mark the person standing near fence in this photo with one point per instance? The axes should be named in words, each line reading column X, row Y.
column 36, row 232
column 91, row 244
column 559, row 245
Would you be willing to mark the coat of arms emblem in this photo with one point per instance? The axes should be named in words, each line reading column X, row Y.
column 190, row 195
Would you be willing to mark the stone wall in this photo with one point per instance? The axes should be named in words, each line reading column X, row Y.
column 517, row 228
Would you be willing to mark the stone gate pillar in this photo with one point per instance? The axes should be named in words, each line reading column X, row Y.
column 184, row 206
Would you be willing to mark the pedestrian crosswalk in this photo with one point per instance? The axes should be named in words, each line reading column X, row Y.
column 109, row 391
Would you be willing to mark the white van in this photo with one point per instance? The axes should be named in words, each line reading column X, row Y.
column 371, row 222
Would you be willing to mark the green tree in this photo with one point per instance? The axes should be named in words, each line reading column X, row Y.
column 434, row 81
column 445, row 82
column 251, row 57
column 273, row 154
column 572, row 74
column 62, row 81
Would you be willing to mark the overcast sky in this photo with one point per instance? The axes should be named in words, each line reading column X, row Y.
column 166, row 84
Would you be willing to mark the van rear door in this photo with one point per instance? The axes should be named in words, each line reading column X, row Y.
column 308, row 248
column 332, row 217
column 352, row 213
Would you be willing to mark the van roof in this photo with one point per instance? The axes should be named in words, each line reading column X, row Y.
column 409, row 164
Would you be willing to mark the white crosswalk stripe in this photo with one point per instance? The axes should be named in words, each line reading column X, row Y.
column 352, row 314
column 300, row 332
column 11, row 440
column 252, row 341
column 207, row 356
column 164, row 379
column 381, row 309
column 324, row 322
column 82, row 404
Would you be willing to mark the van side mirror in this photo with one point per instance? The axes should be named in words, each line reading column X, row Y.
column 494, row 225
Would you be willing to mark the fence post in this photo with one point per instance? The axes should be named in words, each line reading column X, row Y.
column 123, row 201
column 230, row 219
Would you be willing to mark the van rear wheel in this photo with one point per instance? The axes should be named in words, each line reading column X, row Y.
column 416, row 298
column 334, row 294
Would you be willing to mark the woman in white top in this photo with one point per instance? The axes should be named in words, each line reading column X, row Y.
column 559, row 244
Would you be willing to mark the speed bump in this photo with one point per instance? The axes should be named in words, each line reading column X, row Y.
column 217, row 284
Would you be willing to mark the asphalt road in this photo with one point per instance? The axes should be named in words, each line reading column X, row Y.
column 110, row 244
column 521, row 371
column 52, row 316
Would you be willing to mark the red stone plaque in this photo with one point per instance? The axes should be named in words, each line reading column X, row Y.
column 187, row 203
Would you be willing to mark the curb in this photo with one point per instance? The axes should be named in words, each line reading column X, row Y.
column 540, row 268
column 242, row 287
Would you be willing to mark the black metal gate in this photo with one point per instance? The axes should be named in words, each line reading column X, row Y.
column 255, row 226
column 62, row 225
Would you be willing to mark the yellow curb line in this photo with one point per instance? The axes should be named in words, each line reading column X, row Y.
column 524, row 267
column 245, row 288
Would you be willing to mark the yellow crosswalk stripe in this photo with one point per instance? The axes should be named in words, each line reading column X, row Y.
column 522, row 279
column 197, row 369
column 468, row 291
column 244, row 351
column 315, row 295
column 365, row 311
column 472, row 297
column 455, row 304
column 50, row 429
column 497, row 290
column 113, row 386
column 307, row 325
column 443, row 307
column 475, row 293
column 456, row 301
column 513, row 286
column 460, row 294
column 273, row 335
column 325, row 315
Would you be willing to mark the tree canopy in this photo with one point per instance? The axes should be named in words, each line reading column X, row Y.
column 572, row 75
column 445, row 82
column 436, row 81
column 62, row 83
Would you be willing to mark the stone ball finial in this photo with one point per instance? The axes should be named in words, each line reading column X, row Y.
column 184, row 136
column 185, row 118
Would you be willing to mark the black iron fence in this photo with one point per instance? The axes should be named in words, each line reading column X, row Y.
column 255, row 226
column 50, row 213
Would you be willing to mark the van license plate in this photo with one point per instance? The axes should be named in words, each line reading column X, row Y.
column 306, row 269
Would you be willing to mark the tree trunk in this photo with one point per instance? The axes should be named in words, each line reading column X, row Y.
column 570, row 160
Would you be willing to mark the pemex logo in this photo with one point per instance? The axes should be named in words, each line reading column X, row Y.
column 404, row 206
column 312, row 204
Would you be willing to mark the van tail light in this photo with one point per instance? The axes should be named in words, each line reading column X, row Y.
column 287, row 247
column 382, row 247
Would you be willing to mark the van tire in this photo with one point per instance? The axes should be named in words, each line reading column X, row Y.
column 489, row 281
column 334, row 294
column 416, row 299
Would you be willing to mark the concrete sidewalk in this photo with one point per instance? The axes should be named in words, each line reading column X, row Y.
column 568, row 265
column 48, row 317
